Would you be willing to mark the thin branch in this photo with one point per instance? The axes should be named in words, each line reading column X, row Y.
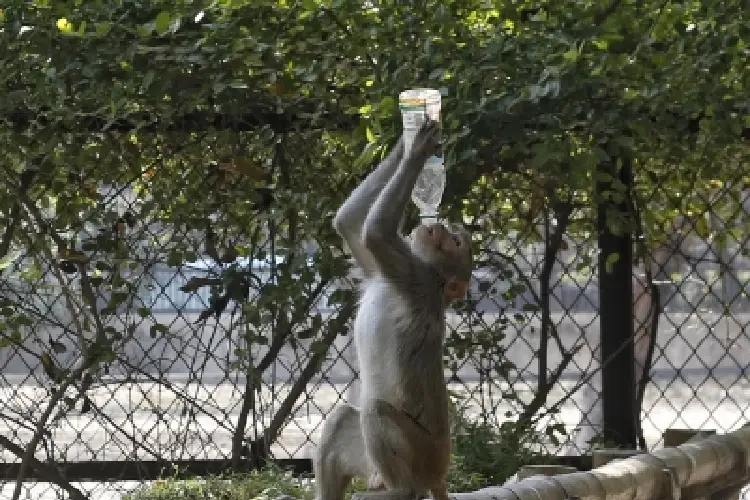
column 603, row 14
column 28, row 455
column 74, row 375
column 46, row 471
column 654, row 313
column 540, row 398
column 336, row 327
column 586, row 379
column 553, row 244
column 14, row 219
column 248, row 399
column 73, row 305
column 530, row 289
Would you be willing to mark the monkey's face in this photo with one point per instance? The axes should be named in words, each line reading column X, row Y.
column 435, row 243
column 449, row 250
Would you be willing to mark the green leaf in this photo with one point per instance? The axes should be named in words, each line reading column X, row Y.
column 701, row 227
column 370, row 135
column 174, row 259
column 387, row 106
column 612, row 259
column 116, row 299
column 570, row 55
column 103, row 28
column 147, row 80
column 57, row 347
column 157, row 329
column 161, row 23
column 9, row 259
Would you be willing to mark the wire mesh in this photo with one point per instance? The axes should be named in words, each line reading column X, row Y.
column 217, row 354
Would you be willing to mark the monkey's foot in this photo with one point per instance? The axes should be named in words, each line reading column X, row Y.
column 375, row 482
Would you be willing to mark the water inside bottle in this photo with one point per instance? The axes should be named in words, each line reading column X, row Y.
column 428, row 191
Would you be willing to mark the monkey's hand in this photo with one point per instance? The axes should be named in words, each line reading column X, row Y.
column 427, row 141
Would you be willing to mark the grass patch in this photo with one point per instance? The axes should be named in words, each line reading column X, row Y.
column 268, row 483
column 484, row 454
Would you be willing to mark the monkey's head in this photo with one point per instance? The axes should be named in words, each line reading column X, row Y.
column 450, row 251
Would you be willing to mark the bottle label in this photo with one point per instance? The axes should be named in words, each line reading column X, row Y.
column 412, row 121
column 414, row 112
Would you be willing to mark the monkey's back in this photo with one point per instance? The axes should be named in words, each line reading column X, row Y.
column 400, row 350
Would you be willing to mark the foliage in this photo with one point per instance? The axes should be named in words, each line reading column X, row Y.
column 483, row 455
column 234, row 128
column 265, row 484
column 486, row 451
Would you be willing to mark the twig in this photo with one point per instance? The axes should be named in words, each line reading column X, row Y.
column 530, row 289
column 585, row 380
column 46, row 471
column 654, row 313
column 553, row 243
column 248, row 399
column 336, row 326
column 541, row 396
column 28, row 455
column 73, row 376
column 603, row 14
column 15, row 212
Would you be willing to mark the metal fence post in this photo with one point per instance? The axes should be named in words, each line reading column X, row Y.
column 616, row 302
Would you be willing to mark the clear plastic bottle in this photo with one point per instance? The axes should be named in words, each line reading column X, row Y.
column 416, row 105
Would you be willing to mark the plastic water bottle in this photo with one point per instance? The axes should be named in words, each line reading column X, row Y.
column 416, row 106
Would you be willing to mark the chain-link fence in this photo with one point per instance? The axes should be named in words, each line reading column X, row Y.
column 130, row 341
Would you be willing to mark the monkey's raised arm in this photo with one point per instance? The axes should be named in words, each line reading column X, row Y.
column 380, row 230
column 351, row 216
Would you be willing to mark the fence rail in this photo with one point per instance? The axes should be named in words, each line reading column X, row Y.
column 715, row 467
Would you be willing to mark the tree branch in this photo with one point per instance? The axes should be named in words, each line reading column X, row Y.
column 603, row 14
column 336, row 327
column 27, row 177
column 46, row 471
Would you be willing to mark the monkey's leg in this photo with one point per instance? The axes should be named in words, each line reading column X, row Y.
column 390, row 450
column 440, row 492
column 340, row 454
column 375, row 482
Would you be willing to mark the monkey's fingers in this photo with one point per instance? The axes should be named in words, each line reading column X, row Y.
column 434, row 139
column 429, row 125
column 428, row 131
column 428, row 139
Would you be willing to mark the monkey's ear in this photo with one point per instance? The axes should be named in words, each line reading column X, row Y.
column 456, row 289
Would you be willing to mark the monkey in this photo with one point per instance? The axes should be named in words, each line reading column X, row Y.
column 399, row 437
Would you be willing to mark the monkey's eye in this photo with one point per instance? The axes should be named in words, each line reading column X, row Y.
column 457, row 240
column 430, row 231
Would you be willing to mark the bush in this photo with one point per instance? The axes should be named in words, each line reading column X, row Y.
column 266, row 484
column 484, row 454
